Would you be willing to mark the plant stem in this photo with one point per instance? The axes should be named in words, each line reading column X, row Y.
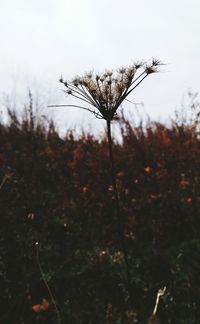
column 3, row 182
column 46, row 283
column 117, row 206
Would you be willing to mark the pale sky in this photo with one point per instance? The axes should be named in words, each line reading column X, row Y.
column 41, row 39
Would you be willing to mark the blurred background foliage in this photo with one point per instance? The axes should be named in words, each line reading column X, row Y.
column 57, row 191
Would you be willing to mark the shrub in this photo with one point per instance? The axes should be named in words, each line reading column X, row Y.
column 57, row 191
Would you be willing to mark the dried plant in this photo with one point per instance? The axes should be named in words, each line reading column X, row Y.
column 105, row 93
column 46, row 284
column 3, row 182
column 102, row 95
column 6, row 177
column 153, row 319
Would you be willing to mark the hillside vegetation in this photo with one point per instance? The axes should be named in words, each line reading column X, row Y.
column 56, row 207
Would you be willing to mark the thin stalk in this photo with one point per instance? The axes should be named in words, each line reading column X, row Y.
column 153, row 318
column 3, row 181
column 79, row 107
column 160, row 293
column 46, row 283
column 117, row 206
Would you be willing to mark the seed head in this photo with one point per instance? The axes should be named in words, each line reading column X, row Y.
column 106, row 92
column 122, row 70
column 156, row 62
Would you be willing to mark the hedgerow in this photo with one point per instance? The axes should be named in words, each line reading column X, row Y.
column 56, row 203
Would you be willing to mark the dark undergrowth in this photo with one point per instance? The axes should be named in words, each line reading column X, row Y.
column 57, row 192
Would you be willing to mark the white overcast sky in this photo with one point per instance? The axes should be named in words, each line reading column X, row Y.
column 41, row 39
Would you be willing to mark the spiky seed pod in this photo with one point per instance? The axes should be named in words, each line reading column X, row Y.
column 150, row 69
column 122, row 70
column 156, row 62
column 106, row 92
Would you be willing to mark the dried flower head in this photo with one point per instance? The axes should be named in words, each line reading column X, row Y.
column 106, row 92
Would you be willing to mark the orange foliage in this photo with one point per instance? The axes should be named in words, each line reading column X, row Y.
column 41, row 307
column 147, row 169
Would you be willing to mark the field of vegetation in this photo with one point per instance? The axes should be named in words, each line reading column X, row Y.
column 59, row 243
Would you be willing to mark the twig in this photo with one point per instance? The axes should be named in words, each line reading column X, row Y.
column 46, row 283
column 5, row 178
column 3, row 181
column 160, row 293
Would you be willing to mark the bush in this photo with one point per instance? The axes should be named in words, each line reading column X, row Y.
column 57, row 191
